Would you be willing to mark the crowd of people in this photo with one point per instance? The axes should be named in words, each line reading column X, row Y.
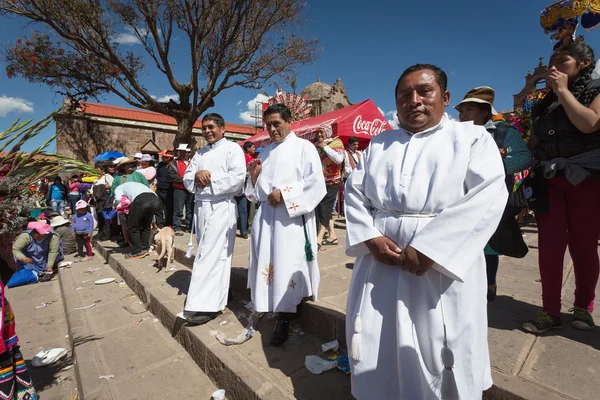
column 426, row 225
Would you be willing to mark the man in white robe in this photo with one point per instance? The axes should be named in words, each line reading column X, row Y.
column 420, row 208
column 287, row 179
column 216, row 174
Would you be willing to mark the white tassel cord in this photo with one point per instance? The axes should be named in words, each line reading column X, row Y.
column 356, row 347
column 449, row 389
column 190, row 248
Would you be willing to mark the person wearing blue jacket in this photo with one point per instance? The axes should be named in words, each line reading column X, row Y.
column 82, row 228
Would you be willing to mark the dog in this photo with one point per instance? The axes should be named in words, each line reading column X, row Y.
column 164, row 245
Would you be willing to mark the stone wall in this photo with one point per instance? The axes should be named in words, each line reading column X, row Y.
column 82, row 137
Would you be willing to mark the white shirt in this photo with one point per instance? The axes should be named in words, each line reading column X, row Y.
column 131, row 190
column 357, row 155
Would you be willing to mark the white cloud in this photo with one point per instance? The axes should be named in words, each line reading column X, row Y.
column 247, row 117
column 165, row 99
column 391, row 117
column 14, row 104
column 129, row 37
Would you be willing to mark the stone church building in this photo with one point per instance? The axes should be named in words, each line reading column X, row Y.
column 535, row 81
column 325, row 98
column 96, row 128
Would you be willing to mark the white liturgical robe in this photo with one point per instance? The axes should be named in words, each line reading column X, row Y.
column 279, row 274
column 215, row 216
column 442, row 192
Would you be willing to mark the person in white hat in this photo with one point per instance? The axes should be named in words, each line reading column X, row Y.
column 62, row 227
column 216, row 174
column 420, row 207
column 147, row 169
column 182, row 198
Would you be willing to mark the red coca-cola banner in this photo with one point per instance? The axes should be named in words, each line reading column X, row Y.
column 362, row 120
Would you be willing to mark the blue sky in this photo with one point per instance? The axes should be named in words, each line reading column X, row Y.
column 367, row 45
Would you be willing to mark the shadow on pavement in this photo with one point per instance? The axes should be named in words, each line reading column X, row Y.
column 507, row 313
column 180, row 280
column 46, row 377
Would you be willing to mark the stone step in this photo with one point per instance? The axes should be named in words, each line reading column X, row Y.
column 122, row 353
column 253, row 370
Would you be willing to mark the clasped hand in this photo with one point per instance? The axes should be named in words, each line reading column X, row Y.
column 202, row 178
column 275, row 198
column 384, row 250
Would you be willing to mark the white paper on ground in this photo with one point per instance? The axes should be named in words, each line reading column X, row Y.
column 317, row 365
column 47, row 357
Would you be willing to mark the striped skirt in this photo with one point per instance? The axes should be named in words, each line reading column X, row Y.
column 15, row 382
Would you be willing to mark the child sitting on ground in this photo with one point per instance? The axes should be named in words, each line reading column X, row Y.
column 82, row 228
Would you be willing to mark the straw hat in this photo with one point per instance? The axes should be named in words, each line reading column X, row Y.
column 481, row 95
column 58, row 221
column 125, row 160
column 137, row 156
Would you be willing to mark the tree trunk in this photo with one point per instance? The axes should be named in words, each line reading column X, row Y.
column 184, row 134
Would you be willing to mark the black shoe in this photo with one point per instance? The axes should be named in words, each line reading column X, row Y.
column 200, row 318
column 280, row 333
column 491, row 294
column 245, row 236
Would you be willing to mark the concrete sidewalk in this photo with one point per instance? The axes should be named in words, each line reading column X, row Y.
column 121, row 350
column 44, row 327
column 562, row 364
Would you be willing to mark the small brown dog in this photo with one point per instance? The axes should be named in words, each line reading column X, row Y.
column 164, row 242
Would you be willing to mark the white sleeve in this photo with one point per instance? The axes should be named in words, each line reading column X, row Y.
column 189, row 177
column 360, row 225
column 337, row 156
column 455, row 238
column 303, row 196
column 232, row 181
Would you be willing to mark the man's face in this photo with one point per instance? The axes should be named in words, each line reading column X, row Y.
column 111, row 169
column 182, row 154
column 420, row 101
column 211, row 132
column 353, row 147
column 278, row 129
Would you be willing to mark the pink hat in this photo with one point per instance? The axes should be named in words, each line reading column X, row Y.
column 81, row 204
column 40, row 227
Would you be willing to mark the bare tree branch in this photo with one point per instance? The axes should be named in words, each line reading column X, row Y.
column 231, row 43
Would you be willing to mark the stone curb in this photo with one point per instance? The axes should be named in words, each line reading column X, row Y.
column 223, row 367
column 74, row 325
column 315, row 320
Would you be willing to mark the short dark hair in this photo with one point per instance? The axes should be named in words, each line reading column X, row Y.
column 57, row 177
column 217, row 118
column 247, row 146
column 99, row 164
column 440, row 75
column 353, row 140
column 280, row 109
